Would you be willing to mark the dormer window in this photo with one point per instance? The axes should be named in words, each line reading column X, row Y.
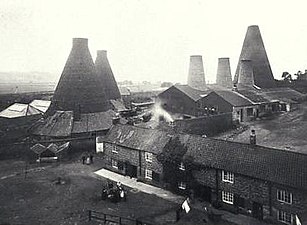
column 181, row 166
column 227, row 176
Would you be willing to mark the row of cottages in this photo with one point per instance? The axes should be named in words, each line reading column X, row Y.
column 268, row 184
column 245, row 104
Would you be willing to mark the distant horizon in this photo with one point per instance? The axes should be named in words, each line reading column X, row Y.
column 150, row 40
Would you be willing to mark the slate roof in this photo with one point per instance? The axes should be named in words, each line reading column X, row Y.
column 278, row 166
column 234, row 98
column 149, row 140
column 191, row 92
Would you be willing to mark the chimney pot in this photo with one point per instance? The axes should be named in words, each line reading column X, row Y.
column 253, row 137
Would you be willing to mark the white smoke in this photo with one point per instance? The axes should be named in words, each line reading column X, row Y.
column 158, row 112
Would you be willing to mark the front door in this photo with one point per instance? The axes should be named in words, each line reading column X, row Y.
column 131, row 170
column 257, row 210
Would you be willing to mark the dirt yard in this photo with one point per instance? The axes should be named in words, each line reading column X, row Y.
column 35, row 198
column 285, row 131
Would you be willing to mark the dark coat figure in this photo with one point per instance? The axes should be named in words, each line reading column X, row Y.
column 83, row 159
column 104, row 194
column 91, row 158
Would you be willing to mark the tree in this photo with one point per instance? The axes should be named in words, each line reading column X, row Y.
column 287, row 77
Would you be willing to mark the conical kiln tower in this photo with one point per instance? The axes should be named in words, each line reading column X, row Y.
column 223, row 76
column 79, row 88
column 196, row 77
column 253, row 50
column 105, row 73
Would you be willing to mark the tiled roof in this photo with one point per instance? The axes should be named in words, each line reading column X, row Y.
column 254, row 96
column 58, row 125
column 93, row 122
column 234, row 98
column 282, row 94
column 278, row 166
column 138, row 138
column 191, row 92
column 62, row 124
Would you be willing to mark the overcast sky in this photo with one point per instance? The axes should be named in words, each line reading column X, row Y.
column 150, row 39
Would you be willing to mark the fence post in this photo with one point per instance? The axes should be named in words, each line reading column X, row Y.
column 89, row 215
column 120, row 221
column 105, row 218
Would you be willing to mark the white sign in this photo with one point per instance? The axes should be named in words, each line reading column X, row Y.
column 99, row 145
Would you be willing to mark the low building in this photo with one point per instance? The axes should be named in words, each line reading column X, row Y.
column 186, row 100
column 132, row 151
column 266, row 183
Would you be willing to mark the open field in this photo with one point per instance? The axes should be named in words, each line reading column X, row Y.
column 34, row 198
column 285, row 131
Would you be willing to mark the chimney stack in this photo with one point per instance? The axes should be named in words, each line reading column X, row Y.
column 106, row 75
column 223, row 76
column 253, row 49
column 196, row 77
column 252, row 137
column 246, row 75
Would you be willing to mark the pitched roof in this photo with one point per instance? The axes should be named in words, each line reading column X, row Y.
column 149, row 140
column 41, row 105
column 278, row 166
column 58, row 125
column 19, row 110
column 234, row 98
column 118, row 105
column 93, row 122
column 254, row 96
column 282, row 94
column 194, row 94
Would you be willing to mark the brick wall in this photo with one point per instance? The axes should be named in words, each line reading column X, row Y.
column 134, row 157
column 208, row 125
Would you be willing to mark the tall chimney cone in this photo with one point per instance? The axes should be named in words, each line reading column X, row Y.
column 252, row 137
column 223, row 76
column 196, row 77
column 106, row 75
column 253, row 49
column 79, row 84
column 246, row 75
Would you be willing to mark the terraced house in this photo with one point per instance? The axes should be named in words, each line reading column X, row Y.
column 265, row 183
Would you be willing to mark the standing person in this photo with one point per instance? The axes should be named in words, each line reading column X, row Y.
column 91, row 158
column 83, row 159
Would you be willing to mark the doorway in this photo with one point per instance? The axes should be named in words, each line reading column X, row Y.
column 257, row 210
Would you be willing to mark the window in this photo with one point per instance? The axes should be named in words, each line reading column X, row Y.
column 284, row 196
column 227, row 176
column 114, row 148
column 148, row 174
column 249, row 111
column 182, row 185
column 148, row 157
column 181, row 166
column 114, row 163
column 227, row 197
column 285, row 217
